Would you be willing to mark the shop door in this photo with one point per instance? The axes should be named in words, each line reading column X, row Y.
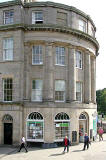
column 8, row 133
column 82, row 130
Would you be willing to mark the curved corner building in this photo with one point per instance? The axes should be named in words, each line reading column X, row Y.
column 48, row 73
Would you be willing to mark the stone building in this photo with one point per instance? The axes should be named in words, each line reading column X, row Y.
column 47, row 73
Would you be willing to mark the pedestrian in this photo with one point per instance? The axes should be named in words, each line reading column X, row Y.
column 100, row 132
column 66, row 144
column 86, row 141
column 23, row 144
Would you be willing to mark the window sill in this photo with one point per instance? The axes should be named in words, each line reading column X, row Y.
column 37, row 64
column 60, row 65
column 60, row 101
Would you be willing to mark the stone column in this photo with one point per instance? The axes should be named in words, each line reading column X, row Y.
column 48, row 76
column 72, row 74
column 93, row 80
column 49, row 130
column 87, row 78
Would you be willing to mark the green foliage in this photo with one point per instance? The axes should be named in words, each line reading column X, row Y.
column 101, row 101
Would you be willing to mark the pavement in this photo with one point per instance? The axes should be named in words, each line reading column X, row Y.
column 96, row 151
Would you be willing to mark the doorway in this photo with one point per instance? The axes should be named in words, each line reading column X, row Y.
column 8, row 127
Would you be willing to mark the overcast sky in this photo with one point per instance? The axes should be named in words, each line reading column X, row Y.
column 97, row 11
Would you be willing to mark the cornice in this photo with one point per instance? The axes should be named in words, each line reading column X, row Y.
column 47, row 4
column 53, row 28
column 11, row 3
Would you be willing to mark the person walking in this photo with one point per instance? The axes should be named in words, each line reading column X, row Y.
column 86, row 141
column 23, row 144
column 100, row 132
column 66, row 144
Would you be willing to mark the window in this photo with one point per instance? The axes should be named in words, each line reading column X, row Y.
column 7, row 89
column 37, row 17
column 37, row 90
column 61, row 18
column 92, row 32
column 62, row 126
column 60, row 56
column 78, row 91
column 59, row 91
column 8, row 49
column 82, row 25
column 78, row 59
column 37, row 57
column 35, row 127
column 8, row 17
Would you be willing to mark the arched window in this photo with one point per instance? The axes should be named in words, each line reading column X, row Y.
column 35, row 125
column 7, row 118
column 62, row 116
column 35, row 116
column 62, row 126
column 82, row 116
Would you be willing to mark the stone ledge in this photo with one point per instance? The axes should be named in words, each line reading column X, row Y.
column 53, row 28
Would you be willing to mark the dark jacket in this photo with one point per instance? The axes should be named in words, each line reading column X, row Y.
column 86, row 139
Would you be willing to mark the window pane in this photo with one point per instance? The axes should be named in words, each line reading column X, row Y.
column 8, row 49
column 79, row 91
column 7, row 86
column 37, row 17
column 59, row 85
column 82, row 25
column 37, row 57
column 60, row 55
column 78, row 59
column 37, row 90
column 35, row 130
column 62, row 129
column 8, row 17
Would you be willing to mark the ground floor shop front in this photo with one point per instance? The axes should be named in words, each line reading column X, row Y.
column 47, row 125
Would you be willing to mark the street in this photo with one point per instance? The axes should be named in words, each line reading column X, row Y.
column 96, row 151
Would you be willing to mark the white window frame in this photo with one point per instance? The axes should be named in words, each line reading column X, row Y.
column 10, row 18
column 8, row 50
column 78, row 59
column 82, row 25
column 37, row 90
column 35, row 17
column 59, row 120
column 37, row 56
column 60, row 91
column 34, row 120
column 60, row 55
column 4, row 88
column 80, row 92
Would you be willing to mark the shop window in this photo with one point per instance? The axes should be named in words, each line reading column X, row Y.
column 35, row 127
column 62, row 126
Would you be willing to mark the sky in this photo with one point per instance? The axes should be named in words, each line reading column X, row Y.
column 97, row 11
